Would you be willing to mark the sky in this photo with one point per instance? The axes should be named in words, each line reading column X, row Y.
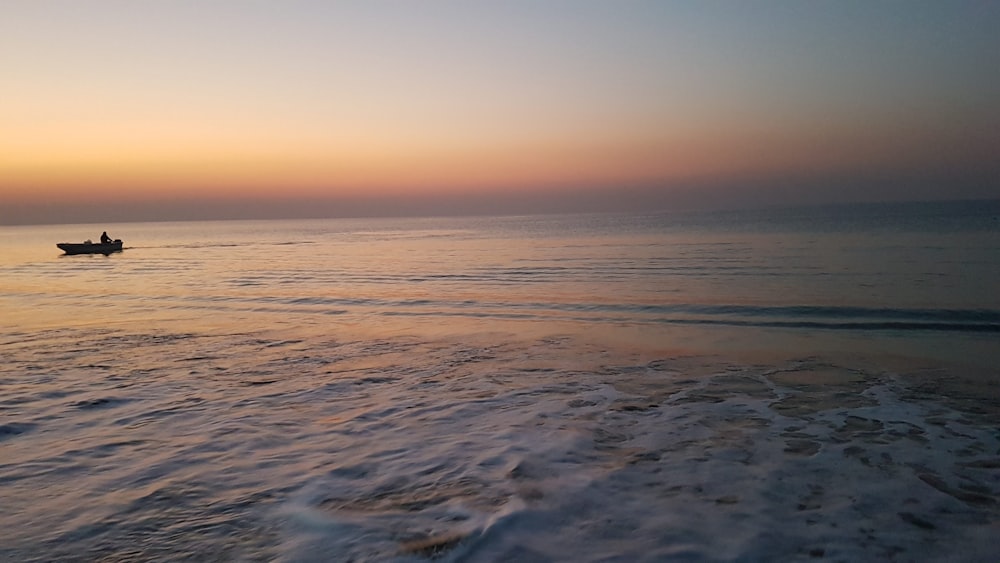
column 120, row 110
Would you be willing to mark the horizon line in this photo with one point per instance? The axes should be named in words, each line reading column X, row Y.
column 665, row 210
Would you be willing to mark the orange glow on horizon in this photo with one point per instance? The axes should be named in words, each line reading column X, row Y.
column 164, row 160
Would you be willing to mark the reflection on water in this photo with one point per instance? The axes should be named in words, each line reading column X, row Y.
column 590, row 269
column 559, row 388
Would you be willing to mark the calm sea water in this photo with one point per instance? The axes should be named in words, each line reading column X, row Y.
column 769, row 385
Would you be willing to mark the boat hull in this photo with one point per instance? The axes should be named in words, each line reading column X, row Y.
column 90, row 247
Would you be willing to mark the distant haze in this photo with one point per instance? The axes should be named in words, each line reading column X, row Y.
column 115, row 110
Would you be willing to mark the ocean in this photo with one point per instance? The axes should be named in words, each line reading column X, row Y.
column 816, row 383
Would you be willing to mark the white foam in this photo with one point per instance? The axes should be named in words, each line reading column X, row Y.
column 569, row 477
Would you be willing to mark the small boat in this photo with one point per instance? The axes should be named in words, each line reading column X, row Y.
column 88, row 247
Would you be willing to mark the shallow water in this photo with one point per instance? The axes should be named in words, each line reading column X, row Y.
column 796, row 385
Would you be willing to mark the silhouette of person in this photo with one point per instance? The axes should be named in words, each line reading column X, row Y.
column 105, row 239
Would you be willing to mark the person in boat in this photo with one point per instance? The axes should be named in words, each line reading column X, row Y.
column 105, row 239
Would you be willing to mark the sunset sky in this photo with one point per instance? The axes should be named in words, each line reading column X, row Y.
column 118, row 110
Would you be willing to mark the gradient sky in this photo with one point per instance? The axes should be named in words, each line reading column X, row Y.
column 117, row 110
